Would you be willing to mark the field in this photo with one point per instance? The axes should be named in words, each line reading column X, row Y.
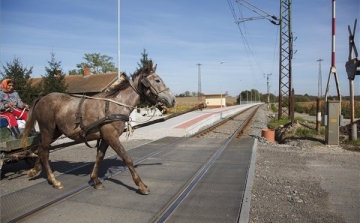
column 185, row 103
column 310, row 108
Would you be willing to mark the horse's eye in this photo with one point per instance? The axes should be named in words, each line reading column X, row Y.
column 157, row 81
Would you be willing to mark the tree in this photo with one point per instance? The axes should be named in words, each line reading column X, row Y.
column 53, row 81
column 97, row 63
column 76, row 72
column 144, row 61
column 21, row 76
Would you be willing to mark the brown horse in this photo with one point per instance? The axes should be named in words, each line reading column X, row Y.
column 101, row 117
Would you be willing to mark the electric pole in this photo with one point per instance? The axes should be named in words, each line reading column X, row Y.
column 285, row 61
column 318, row 103
column 268, row 88
column 286, row 98
column 320, row 80
column 199, row 82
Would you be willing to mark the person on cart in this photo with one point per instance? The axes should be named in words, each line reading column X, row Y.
column 12, row 107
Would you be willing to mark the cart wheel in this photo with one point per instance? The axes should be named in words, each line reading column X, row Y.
column 30, row 161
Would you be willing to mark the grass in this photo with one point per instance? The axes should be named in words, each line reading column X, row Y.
column 310, row 133
column 304, row 132
column 354, row 143
column 275, row 123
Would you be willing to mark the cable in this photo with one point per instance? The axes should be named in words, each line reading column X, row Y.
column 244, row 34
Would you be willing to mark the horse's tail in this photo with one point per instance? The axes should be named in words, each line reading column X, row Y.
column 30, row 123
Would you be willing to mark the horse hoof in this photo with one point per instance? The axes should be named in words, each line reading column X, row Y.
column 31, row 173
column 99, row 186
column 58, row 186
column 145, row 191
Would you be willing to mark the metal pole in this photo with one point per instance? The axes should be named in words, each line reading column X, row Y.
column 251, row 96
column 240, row 95
column 333, row 62
column 319, row 79
column 268, row 90
column 353, row 135
column 199, row 82
column 353, row 132
column 119, row 70
column 318, row 117
column 221, row 83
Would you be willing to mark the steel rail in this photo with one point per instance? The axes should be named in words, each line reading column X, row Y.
column 181, row 195
column 220, row 123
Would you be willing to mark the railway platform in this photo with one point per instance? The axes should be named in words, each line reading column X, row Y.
column 183, row 125
column 179, row 126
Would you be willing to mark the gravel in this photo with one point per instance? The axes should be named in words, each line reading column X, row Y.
column 303, row 183
column 227, row 129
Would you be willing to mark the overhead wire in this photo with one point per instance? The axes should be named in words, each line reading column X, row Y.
column 248, row 44
column 275, row 47
column 244, row 37
column 252, row 46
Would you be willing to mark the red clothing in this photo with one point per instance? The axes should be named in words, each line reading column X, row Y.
column 11, row 113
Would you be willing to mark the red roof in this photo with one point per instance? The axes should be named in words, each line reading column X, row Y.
column 78, row 84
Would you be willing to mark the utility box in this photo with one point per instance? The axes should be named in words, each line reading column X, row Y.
column 332, row 127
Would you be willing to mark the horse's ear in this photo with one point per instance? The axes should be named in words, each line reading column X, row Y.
column 155, row 68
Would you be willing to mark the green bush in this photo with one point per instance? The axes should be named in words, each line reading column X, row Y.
column 299, row 109
column 273, row 108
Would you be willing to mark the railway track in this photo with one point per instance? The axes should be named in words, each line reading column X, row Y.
column 167, row 150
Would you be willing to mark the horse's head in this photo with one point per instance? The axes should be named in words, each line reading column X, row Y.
column 153, row 89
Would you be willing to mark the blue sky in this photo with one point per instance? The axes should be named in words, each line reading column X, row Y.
column 179, row 34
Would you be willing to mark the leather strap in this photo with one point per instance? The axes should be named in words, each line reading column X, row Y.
column 107, row 119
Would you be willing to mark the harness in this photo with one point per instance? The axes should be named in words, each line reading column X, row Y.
column 113, row 117
column 107, row 119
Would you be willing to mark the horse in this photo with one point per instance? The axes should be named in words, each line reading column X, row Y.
column 79, row 118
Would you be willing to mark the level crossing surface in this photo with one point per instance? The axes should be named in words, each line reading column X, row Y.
column 217, row 195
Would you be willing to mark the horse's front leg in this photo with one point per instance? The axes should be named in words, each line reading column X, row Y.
column 101, row 150
column 119, row 149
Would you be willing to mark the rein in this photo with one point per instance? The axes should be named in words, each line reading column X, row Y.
column 102, row 99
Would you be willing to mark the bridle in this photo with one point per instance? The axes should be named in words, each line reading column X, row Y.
column 150, row 88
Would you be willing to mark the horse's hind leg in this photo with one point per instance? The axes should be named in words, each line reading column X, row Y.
column 101, row 150
column 37, row 166
column 43, row 158
column 119, row 149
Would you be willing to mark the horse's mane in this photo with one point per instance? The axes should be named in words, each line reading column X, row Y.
column 124, row 83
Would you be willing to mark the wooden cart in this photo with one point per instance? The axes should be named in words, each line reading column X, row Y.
column 11, row 149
